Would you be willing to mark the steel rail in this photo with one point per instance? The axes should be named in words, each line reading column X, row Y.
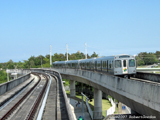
column 36, row 104
column 44, row 100
column 21, row 100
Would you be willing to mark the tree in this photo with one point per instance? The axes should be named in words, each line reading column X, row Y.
column 31, row 63
column 19, row 65
column 150, row 59
column 94, row 55
column 139, row 61
column 157, row 55
column 10, row 64
column 145, row 58
column 25, row 64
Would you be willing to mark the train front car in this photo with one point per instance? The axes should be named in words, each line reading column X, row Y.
column 125, row 65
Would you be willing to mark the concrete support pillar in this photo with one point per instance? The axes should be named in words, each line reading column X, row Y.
column 97, row 104
column 72, row 88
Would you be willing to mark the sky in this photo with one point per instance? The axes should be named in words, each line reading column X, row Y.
column 109, row 27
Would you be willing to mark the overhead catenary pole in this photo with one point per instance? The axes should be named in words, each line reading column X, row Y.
column 67, row 51
column 50, row 56
column 86, row 50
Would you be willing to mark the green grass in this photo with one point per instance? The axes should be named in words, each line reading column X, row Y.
column 105, row 103
column 66, row 82
column 157, row 72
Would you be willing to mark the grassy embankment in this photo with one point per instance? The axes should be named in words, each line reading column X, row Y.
column 105, row 103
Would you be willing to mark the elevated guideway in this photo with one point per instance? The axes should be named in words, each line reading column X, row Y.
column 142, row 97
column 57, row 102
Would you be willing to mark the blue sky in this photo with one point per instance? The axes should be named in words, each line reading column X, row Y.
column 29, row 27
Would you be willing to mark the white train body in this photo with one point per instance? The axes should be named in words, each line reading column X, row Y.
column 120, row 65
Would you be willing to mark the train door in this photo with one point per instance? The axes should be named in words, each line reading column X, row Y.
column 125, row 66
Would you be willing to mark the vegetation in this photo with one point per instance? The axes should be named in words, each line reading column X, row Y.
column 43, row 61
column 145, row 58
column 3, row 76
column 66, row 82
column 105, row 103
column 142, row 59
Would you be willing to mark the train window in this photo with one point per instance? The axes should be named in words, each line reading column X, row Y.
column 92, row 65
column 124, row 63
column 124, row 56
column 131, row 63
column 98, row 64
column 110, row 64
column 117, row 63
column 87, row 64
column 104, row 64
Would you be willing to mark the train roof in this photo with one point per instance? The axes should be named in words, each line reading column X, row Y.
column 92, row 59
column 105, row 57
column 86, row 60
column 59, row 62
column 72, row 61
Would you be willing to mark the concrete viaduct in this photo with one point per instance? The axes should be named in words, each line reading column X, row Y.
column 141, row 96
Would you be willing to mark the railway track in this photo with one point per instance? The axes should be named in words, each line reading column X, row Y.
column 26, row 106
column 50, row 111
column 55, row 108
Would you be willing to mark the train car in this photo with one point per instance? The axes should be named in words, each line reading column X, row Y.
column 87, row 64
column 119, row 65
column 59, row 64
column 72, row 64
column 105, row 64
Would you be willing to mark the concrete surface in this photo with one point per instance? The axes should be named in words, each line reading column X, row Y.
column 72, row 88
column 77, row 110
column 13, row 83
column 142, row 97
column 97, row 104
column 9, row 94
column 62, row 94
column 149, row 76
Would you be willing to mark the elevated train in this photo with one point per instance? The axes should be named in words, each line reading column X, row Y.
column 119, row 65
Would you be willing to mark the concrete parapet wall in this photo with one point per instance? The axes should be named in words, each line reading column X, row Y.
column 18, row 71
column 148, row 76
column 13, row 83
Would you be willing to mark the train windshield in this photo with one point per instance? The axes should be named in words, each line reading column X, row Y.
column 131, row 63
column 117, row 63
